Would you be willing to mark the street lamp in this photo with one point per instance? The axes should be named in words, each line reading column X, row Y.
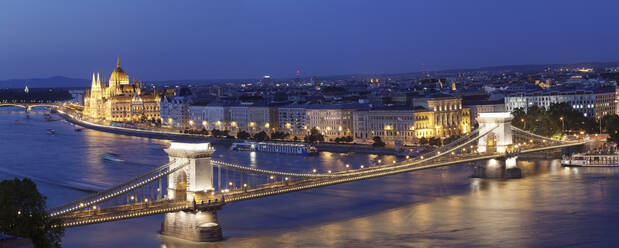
column 562, row 124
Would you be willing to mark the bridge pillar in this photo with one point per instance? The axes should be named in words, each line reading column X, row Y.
column 502, row 134
column 505, row 168
column 184, row 185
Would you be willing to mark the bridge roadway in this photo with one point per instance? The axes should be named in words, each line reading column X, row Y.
column 128, row 211
column 92, row 216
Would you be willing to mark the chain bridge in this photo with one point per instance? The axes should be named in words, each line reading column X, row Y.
column 192, row 186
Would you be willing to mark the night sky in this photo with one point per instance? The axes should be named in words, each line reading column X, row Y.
column 160, row 40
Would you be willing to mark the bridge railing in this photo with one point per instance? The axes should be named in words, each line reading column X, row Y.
column 116, row 190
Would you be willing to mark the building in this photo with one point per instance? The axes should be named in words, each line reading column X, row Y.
column 293, row 119
column 119, row 100
column 239, row 118
column 175, row 112
column 389, row 123
column 332, row 121
column 593, row 103
column 262, row 118
column 440, row 115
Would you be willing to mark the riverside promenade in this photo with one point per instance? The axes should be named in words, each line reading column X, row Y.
column 338, row 148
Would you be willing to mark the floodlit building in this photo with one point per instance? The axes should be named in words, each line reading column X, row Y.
column 120, row 100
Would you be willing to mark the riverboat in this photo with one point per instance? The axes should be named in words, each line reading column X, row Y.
column 591, row 160
column 286, row 148
column 51, row 131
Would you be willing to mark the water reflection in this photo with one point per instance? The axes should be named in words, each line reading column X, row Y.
column 438, row 207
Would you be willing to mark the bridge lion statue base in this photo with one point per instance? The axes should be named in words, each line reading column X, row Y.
column 198, row 226
column 497, row 169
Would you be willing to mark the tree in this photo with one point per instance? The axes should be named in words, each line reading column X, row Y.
column 423, row 141
column 261, row 136
column 279, row 135
column 315, row 136
column 378, row 142
column 611, row 123
column 243, row 135
column 22, row 214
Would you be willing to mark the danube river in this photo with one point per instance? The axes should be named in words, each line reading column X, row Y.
column 550, row 206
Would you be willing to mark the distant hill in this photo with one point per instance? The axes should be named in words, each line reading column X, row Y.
column 51, row 82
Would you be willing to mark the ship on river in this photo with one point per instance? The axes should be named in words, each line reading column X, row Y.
column 286, row 148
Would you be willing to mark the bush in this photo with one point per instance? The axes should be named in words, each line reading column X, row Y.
column 378, row 142
column 243, row 135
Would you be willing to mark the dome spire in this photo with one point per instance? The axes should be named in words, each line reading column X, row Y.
column 118, row 61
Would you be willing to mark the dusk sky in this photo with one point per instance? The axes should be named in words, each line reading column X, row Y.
column 161, row 40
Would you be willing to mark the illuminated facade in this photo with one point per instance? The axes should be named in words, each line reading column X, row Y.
column 390, row 124
column 443, row 116
column 332, row 121
column 120, row 100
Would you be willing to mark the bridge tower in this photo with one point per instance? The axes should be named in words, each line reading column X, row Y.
column 499, row 126
column 189, row 183
column 502, row 134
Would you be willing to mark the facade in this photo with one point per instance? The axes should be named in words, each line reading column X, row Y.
column 332, row 121
column 198, row 114
column 592, row 103
column 239, row 119
column 262, row 118
column 293, row 119
column 441, row 116
column 390, row 124
column 218, row 116
column 175, row 112
column 119, row 100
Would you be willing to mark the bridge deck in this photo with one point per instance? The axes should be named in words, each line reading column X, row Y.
column 206, row 201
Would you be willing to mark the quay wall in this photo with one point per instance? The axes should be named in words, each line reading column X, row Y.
column 341, row 148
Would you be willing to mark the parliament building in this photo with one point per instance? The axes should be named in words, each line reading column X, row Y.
column 120, row 100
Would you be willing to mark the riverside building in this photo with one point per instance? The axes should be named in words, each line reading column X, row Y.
column 120, row 100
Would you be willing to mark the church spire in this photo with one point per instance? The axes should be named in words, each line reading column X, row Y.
column 118, row 61
column 93, row 83
column 98, row 80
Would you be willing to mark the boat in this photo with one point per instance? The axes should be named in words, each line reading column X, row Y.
column 286, row 148
column 78, row 129
column 243, row 146
column 51, row 131
column 591, row 160
column 112, row 158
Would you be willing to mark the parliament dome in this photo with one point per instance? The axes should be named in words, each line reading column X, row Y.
column 119, row 76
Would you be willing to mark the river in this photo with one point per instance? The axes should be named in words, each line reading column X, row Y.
column 550, row 206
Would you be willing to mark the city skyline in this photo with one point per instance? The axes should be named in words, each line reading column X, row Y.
column 249, row 40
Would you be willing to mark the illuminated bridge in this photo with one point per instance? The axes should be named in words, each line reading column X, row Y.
column 27, row 106
column 197, row 186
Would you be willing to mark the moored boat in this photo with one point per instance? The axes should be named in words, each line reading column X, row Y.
column 591, row 160
column 286, row 148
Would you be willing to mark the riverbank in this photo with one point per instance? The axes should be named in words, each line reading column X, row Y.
column 339, row 148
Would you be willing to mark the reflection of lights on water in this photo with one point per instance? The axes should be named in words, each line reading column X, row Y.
column 252, row 159
column 475, row 184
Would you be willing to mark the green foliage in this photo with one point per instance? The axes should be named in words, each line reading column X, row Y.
column 261, row 136
column 378, row 142
column 315, row 136
column 434, row 142
column 611, row 124
column 423, row 141
column 347, row 139
column 552, row 122
column 22, row 214
column 279, row 135
column 243, row 135
column 219, row 133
